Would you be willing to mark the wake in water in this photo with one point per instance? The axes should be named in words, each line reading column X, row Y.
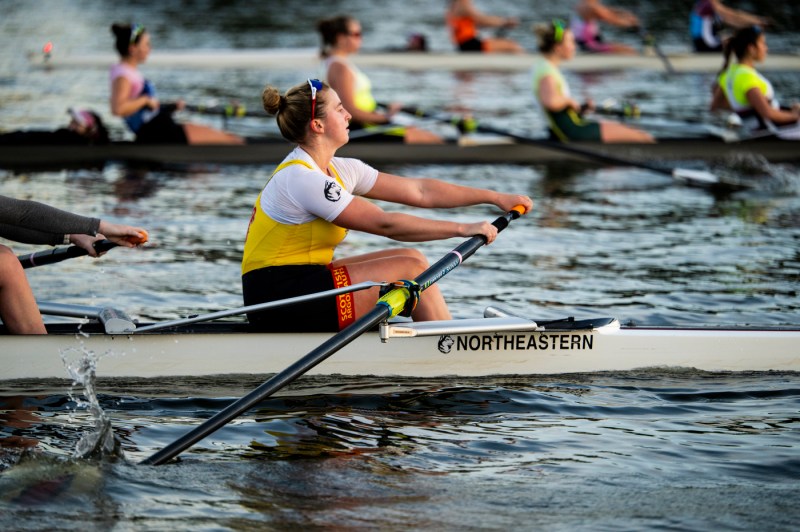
column 754, row 170
column 37, row 478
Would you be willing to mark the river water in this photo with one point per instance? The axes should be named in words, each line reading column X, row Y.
column 655, row 449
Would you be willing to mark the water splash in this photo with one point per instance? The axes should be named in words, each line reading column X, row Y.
column 101, row 441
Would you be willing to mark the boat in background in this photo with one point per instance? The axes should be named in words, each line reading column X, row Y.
column 499, row 343
column 308, row 58
column 470, row 150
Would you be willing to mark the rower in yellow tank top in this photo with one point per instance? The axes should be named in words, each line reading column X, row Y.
column 314, row 198
column 271, row 243
column 341, row 38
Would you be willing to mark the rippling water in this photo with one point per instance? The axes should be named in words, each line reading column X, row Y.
column 653, row 449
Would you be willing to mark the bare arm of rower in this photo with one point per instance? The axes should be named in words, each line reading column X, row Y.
column 719, row 102
column 761, row 106
column 610, row 15
column 438, row 194
column 553, row 99
column 122, row 105
column 465, row 8
column 362, row 215
column 343, row 81
column 737, row 17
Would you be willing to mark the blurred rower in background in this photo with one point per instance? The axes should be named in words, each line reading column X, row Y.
column 342, row 38
column 742, row 89
column 463, row 19
column 134, row 99
column 85, row 127
column 707, row 19
column 584, row 24
column 565, row 114
column 36, row 223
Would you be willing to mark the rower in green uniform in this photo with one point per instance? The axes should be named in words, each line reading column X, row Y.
column 743, row 90
column 564, row 113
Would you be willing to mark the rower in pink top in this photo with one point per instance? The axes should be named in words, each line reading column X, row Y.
column 585, row 25
column 134, row 98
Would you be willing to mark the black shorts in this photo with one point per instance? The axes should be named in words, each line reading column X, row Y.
column 162, row 129
column 472, row 45
column 567, row 125
column 281, row 282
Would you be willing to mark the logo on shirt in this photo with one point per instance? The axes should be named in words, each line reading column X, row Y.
column 332, row 191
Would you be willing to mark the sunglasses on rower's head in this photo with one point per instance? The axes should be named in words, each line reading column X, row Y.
column 136, row 31
column 558, row 30
column 316, row 85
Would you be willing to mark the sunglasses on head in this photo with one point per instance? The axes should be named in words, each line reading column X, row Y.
column 316, row 85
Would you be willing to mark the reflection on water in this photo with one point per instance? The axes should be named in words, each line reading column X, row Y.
column 408, row 450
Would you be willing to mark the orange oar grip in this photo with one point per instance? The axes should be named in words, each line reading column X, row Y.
column 519, row 208
column 141, row 239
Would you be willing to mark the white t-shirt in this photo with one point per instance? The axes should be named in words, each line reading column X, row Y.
column 297, row 194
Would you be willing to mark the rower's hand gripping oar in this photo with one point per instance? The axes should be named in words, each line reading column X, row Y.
column 390, row 305
column 690, row 177
column 51, row 256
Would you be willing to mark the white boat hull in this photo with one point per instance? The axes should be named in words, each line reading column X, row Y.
column 609, row 348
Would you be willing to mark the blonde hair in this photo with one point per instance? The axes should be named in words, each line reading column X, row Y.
column 292, row 110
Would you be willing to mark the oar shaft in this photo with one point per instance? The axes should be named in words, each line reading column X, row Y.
column 51, row 256
column 257, row 307
column 381, row 312
column 461, row 253
column 556, row 146
column 274, row 384
column 566, row 147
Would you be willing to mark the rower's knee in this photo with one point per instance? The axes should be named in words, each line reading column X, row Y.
column 9, row 263
column 414, row 262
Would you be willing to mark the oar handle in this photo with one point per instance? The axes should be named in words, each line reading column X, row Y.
column 51, row 256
